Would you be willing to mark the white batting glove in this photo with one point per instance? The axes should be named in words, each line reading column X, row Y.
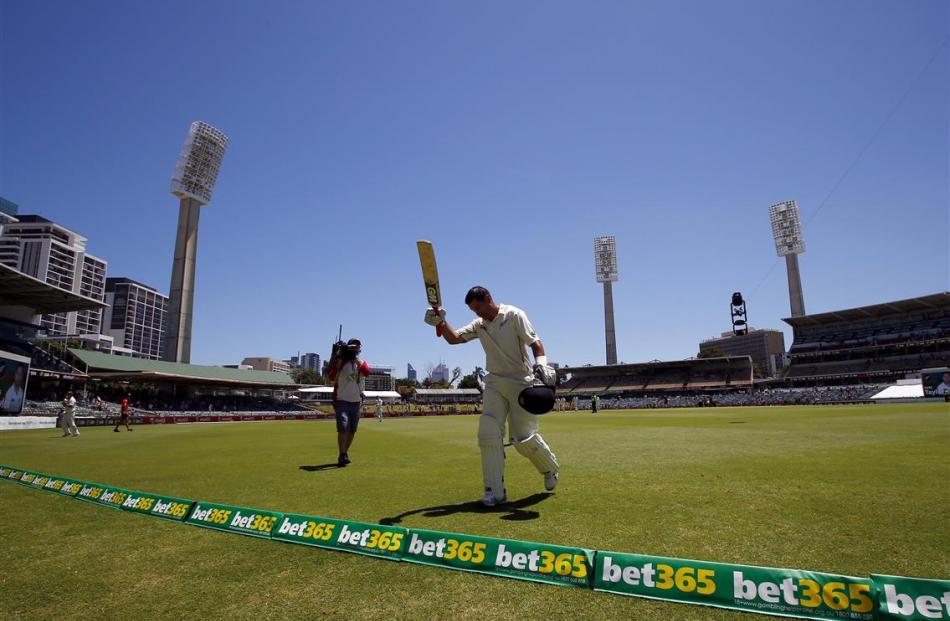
column 435, row 318
column 545, row 374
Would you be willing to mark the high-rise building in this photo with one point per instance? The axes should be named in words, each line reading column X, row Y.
column 8, row 207
column 411, row 373
column 262, row 363
column 440, row 374
column 56, row 255
column 765, row 347
column 193, row 182
column 135, row 318
column 310, row 361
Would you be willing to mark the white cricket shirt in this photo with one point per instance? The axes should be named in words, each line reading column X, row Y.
column 505, row 340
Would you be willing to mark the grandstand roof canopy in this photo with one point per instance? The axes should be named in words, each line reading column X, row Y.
column 19, row 289
column 634, row 367
column 370, row 394
column 106, row 366
column 447, row 392
column 874, row 311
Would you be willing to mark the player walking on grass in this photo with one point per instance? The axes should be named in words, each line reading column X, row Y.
column 505, row 334
column 123, row 415
column 69, row 416
column 379, row 409
column 347, row 372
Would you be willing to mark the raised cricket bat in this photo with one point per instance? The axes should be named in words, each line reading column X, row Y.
column 430, row 276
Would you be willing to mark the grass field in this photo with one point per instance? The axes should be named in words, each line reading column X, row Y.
column 855, row 490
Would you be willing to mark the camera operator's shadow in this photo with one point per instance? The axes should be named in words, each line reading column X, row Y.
column 330, row 466
column 514, row 510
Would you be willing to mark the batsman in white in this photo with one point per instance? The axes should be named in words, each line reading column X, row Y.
column 505, row 334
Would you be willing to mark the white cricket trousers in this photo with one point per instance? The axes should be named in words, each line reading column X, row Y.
column 69, row 422
column 500, row 406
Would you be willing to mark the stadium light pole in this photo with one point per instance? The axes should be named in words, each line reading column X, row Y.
column 789, row 243
column 192, row 182
column 605, row 266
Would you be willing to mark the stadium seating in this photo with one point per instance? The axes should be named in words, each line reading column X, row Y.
column 628, row 379
column 884, row 340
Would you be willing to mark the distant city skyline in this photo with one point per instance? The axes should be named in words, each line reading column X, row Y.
column 671, row 125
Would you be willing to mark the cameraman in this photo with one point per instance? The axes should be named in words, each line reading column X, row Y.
column 347, row 372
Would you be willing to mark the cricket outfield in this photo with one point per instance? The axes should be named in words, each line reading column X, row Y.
column 843, row 489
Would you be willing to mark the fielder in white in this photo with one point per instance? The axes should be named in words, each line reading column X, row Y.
column 505, row 334
column 69, row 416
column 379, row 409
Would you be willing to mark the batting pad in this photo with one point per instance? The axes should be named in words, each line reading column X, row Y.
column 538, row 453
column 493, row 464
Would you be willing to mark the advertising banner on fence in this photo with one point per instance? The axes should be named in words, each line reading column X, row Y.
column 359, row 537
column 765, row 590
column 240, row 520
column 40, row 481
column 70, row 487
column 537, row 562
column 105, row 495
column 158, row 506
column 27, row 477
column 57, row 484
column 912, row 598
column 5, row 471
column 14, row 475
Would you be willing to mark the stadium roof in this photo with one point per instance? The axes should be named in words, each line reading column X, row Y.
column 19, row 289
column 106, row 366
column 620, row 369
column 447, row 392
column 370, row 394
column 874, row 311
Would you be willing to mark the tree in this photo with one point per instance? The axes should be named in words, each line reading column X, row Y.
column 306, row 376
column 470, row 381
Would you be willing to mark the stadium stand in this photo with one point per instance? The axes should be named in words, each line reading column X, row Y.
column 691, row 375
column 881, row 342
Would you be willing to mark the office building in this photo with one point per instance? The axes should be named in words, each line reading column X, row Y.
column 135, row 318
column 56, row 255
column 765, row 347
column 262, row 363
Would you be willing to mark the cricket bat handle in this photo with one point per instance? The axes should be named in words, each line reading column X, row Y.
column 438, row 328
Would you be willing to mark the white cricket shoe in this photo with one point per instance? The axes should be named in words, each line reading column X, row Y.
column 489, row 499
column 550, row 480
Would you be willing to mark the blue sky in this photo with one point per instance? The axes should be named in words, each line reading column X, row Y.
column 509, row 134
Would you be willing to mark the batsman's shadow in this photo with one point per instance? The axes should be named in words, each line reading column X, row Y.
column 331, row 466
column 513, row 511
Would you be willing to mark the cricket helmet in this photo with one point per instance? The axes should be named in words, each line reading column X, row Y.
column 537, row 399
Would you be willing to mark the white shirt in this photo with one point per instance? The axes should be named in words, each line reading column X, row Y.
column 506, row 340
column 13, row 400
column 349, row 381
column 69, row 404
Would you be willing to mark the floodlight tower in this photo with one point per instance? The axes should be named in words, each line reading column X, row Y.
column 192, row 182
column 789, row 243
column 605, row 265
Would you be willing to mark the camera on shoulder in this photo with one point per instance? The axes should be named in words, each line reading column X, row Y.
column 347, row 352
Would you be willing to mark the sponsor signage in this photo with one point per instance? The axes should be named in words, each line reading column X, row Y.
column 537, row 562
column 912, row 598
column 253, row 522
column 359, row 537
column 158, row 506
column 766, row 590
